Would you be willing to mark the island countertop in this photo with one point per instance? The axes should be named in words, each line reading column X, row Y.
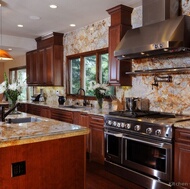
column 45, row 129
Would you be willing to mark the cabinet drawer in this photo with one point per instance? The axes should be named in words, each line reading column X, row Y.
column 62, row 115
column 97, row 121
column 182, row 135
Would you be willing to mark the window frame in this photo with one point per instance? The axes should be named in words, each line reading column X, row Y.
column 97, row 53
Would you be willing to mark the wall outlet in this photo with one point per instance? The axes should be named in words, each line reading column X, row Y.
column 18, row 168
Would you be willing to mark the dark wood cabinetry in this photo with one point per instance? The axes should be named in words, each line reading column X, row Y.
column 96, row 124
column 45, row 65
column 38, row 110
column 22, row 107
column 182, row 159
column 120, row 23
column 62, row 115
column 84, row 121
column 94, row 140
column 31, row 67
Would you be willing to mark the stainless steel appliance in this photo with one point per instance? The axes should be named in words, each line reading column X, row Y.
column 139, row 146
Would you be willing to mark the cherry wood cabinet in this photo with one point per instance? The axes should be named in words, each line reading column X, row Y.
column 22, row 107
column 96, row 124
column 59, row 164
column 84, row 121
column 182, row 159
column 94, row 140
column 120, row 23
column 45, row 64
column 38, row 110
column 31, row 67
column 62, row 115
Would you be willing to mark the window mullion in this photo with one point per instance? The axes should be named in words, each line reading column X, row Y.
column 82, row 73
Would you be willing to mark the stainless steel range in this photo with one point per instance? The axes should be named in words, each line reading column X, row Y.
column 139, row 146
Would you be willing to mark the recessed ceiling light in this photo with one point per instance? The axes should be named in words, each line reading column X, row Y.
column 72, row 25
column 10, row 49
column 53, row 6
column 34, row 17
column 20, row 25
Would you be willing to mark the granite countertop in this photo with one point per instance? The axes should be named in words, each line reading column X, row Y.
column 45, row 129
column 183, row 124
column 87, row 109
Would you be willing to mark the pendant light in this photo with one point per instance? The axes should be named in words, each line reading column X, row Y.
column 4, row 55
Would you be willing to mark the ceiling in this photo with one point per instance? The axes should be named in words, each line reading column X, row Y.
column 79, row 12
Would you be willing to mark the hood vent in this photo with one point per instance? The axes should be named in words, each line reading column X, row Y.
column 151, row 40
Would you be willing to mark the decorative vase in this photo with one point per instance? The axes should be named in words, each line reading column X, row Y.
column 12, row 104
column 61, row 100
column 100, row 102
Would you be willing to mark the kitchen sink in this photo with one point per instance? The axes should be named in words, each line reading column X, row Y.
column 23, row 120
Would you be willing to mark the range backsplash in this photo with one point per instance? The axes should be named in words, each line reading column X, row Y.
column 168, row 97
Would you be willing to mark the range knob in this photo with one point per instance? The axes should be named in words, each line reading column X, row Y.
column 122, row 125
column 114, row 123
column 137, row 127
column 158, row 132
column 149, row 130
column 109, row 122
column 118, row 124
column 128, row 126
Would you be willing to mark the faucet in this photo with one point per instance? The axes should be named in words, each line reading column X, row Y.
column 3, row 114
column 84, row 101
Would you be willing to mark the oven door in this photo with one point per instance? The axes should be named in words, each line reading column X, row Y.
column 148, row 156
column 113, row 146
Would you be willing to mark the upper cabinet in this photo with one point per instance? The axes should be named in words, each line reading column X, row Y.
column 45, row 64
column 120, row 23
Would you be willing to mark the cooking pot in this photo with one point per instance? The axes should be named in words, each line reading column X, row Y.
column 131, row 103
column 137, row 104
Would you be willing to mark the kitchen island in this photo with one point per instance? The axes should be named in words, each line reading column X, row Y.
column 44, row 154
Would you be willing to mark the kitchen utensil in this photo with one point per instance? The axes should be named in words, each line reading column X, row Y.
column 131, row 103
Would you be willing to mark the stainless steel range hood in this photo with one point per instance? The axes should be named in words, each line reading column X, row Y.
column 165, row 37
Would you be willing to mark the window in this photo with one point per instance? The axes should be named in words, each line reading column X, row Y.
column 85, row 68
column 19, row 73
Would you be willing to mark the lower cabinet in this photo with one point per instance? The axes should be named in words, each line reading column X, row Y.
column 84, row 121
column 182, row 159
column 94, row 140
column 22, row 107
column 96, row 124
column 62, row 115
column 38, row 110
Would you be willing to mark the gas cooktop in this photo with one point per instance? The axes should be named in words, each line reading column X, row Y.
column 148, row 114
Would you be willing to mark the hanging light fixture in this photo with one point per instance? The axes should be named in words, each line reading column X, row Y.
column 4, row 55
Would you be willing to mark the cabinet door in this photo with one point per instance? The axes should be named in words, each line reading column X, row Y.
column 31, row 63
column 182, row 159
column 45, row 112
column 22, row 107
column 117, row 68
column 53, row 65
column 182, row 165
column 34, row 109
column 84, row 121
column 48, row 66
column 40, row 67
column 97, row 138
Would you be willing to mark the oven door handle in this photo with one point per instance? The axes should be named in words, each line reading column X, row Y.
column 161, row 145
column 119, row 135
